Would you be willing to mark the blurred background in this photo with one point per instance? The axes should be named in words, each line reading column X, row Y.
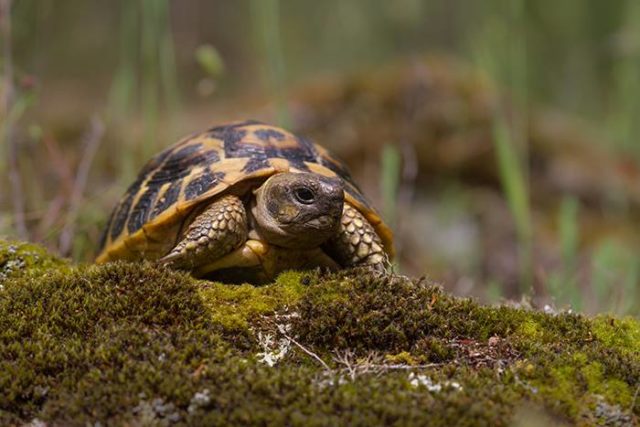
column 500, row 139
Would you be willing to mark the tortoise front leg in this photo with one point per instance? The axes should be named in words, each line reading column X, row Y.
column 214, row 233
column 357, row 243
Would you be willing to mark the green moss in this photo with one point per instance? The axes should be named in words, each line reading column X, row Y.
column 239, row 304
column 136, row 344
column 530, row 330
column 612, row 390
column 621, row 334
column 404, row 357
column 18, row 258
column 233, row 307
column 574, row 384
column 396, row 315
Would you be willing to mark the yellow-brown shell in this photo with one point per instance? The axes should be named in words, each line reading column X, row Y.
column 148, row 218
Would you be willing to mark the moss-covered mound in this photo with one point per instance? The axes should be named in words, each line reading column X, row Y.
column 138, row 345
column 20, row 259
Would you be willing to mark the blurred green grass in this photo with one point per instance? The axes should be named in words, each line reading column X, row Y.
column 143, row 66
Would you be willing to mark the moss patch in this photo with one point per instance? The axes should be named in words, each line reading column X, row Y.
column 18, row 258
column 621, row 334
column 133, row 343
column 235, row 308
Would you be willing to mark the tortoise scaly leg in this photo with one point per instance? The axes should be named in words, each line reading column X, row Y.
column 357, row 243
column 214, row 233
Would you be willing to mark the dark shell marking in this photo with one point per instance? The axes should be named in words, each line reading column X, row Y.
column 265, row 147
column 181, row 163
column 201, row 184
column 196, row 165
column 267, row 134
column 122, row 210
column 140, row 212
column 169, row 197
column 172, row 165
column 105, row 232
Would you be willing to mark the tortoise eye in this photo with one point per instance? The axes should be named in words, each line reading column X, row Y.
column 304, row 195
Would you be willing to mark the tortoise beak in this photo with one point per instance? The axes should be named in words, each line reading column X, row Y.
column 332, row 198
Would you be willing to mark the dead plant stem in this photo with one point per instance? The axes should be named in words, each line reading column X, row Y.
column 90, row 147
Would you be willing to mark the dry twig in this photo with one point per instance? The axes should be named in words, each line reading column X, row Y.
column 62, row 169
column 352, row 366
column 370, row 365
column 303, row 348
column 91, row 143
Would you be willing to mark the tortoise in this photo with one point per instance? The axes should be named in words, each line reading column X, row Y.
column 243, row 202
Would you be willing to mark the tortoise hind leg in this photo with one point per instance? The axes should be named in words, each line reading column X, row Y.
column 357, row 243
column 214, row 233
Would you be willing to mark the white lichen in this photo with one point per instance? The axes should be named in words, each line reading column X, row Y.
column 421, row 380
column 273, row 351
column 200, row 399
column 330, row 379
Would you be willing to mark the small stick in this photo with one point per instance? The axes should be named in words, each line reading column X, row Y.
column 61, row 164
column 15, row 180
column 90, row 147
column 345, row 360
column 50, row 217
column 635, row 398
column 303, row 348
column 403, row 367
column 63, row 171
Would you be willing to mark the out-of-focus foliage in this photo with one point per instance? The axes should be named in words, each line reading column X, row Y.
column 489, row 165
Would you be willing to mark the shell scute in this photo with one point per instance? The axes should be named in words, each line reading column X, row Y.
column 121, row 214
column 179, row 164
column 267, row 135
column 140, row 212
column 202, row 183
column 168, row 198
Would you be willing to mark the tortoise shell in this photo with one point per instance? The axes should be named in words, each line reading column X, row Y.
column 147, row 220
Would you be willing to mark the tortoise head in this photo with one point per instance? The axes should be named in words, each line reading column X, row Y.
column 298, row 210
